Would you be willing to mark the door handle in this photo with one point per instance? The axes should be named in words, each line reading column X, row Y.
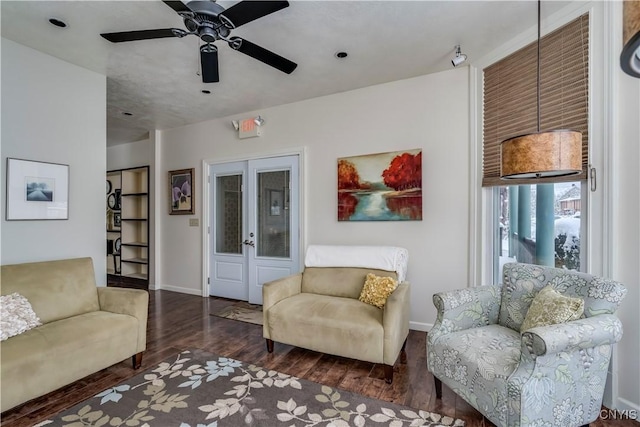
column 249, row 243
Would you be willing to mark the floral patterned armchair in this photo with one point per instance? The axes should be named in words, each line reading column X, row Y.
column 545, row 376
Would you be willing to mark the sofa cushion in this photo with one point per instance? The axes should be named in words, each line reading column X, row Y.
column 377, row 289
column 57, row 353
column 550, row 307
column 16, row 316
column 55, row 289
column 344, row 282
column 327, row 324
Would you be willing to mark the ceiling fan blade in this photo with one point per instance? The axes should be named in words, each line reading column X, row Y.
column 209, row 63
column 262, row 54
column 128, row 36
column 178, row 6
column 247, row 11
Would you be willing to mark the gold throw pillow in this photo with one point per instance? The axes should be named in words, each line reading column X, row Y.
column 377, row 289
column 550, row 307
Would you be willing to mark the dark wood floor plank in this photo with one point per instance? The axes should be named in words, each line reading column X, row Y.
column 320, row 369
column 353, row 380
column 178, row 322
column 302, row 366
column 337, row 372
column 373, row 386
column 397, row 391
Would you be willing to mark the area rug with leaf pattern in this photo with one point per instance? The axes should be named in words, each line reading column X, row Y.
column 200, row 389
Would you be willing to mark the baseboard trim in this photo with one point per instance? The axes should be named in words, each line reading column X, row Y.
column 419, row 326
column 627, row 405
column 180, row 289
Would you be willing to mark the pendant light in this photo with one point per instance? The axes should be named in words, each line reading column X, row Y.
column 541, row 154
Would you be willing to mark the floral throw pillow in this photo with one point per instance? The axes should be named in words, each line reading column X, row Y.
column 16, row 316
column 550, row 307
column 377, row 289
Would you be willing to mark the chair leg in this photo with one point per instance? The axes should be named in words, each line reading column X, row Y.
column 438, row 384
column 403, row 352
column 388, row 374
column 269, row 346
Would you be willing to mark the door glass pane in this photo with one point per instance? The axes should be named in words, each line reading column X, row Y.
column 228, row 233
column 274, row 220
column 541, row 224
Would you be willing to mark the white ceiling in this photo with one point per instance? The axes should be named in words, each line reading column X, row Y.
column 156, row 80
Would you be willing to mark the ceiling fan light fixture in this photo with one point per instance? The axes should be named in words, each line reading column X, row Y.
column 207, row 34
column 209, row 63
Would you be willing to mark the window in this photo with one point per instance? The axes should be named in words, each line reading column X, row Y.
column 540, row 224
column 538, row 221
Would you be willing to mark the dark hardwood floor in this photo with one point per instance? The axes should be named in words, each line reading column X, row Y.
column 178, row 322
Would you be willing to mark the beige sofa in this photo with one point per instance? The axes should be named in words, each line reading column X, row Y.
column 319, row 310
column 84, row 328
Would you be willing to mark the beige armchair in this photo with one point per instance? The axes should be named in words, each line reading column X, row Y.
column 319, row 309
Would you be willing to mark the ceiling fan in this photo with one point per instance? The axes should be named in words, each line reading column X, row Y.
column 211, row 22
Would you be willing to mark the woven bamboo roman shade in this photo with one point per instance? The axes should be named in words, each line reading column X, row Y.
column 510, row 104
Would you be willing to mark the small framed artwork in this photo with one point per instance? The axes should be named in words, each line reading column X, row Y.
column 117, row 219
column 181, row 192
column 37, row 190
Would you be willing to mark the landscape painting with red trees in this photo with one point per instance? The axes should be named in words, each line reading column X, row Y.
column 380, row 187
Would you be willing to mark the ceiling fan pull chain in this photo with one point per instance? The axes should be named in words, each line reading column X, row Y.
column 198, row 64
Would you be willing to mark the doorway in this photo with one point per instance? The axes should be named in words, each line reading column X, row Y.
column 254, row 225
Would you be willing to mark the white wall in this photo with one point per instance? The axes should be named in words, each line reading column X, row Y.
column 429, row 112
column 54, row 111
column 131, row 155
column 626, row 239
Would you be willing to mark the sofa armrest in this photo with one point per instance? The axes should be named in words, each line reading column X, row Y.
column 133, row 302
column 572, row 336
column 395, row 321
column 465, row 309
column 275, row 291
column 469, row 307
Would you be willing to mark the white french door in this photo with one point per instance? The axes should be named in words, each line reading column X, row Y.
column 254, row 226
